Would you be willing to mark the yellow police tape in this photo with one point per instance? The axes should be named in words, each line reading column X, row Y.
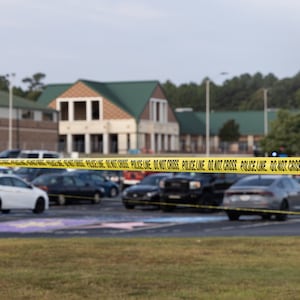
column 243, row 165
column 212, row 207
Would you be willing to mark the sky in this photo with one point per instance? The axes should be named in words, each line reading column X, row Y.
column 128, row 40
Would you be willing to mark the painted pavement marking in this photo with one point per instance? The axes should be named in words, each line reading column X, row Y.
column 53, row 224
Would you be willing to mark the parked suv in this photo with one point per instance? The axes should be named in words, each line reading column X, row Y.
column 195, row 189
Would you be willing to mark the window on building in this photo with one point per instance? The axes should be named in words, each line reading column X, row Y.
column 27, row 114
column 95, row 110
column 78, row 143
column 158, row 111
column 243, row 146
column 79, row 111
column 64, row 111
column 113, row 143
column 97, row 143
column 47, row 116
column 62, row 143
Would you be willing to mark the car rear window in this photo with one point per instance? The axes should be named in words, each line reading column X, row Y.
column 50, row 155
column 258, row 181
column 29, row 155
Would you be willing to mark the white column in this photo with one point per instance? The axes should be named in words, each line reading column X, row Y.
column 71, row 111
column 159, row 142
column 87, row 141
column 166, row 139
column 88, row 116
column 133, row 141
column 173, row 143
column 152, row 142
column 250, row 142
column 69, row 143
column 122, row 140
column 105, row 143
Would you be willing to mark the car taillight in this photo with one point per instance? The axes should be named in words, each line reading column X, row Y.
column 43, row 187
column 266, row 193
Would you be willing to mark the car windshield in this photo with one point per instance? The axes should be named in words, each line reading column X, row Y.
column 256, row 181
column 151, row 180
column 9, row 153
column 192, row 174
column 44, row 180
column 25, row 171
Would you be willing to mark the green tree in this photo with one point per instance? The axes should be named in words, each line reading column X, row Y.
column 35, row 85
column 284, row 132
column 229, row 132
column 35, row 82
column 4, row 84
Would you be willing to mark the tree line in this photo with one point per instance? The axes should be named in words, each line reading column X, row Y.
column 244, row 92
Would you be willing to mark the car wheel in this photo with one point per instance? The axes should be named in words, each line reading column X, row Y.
column 283, row 207
column 233, row 215
column 266, row 216
column 97, row 198
column 39, row 206
column 113, row 192
column 61, row 200
column 128, row 205
column 206, row 200
column 166, row 207
column 4, row 211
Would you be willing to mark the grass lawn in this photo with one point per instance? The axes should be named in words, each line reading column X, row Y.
column 144, row 268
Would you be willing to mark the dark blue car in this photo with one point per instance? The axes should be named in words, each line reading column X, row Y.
column 111, row 188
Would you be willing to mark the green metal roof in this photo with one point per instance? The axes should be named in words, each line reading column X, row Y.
column 190, row 123
column 250, row 122
column 131, row 96
column 51, row 92
column 19, row 102
column 134, row 95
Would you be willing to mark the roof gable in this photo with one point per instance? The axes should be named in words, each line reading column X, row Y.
column 51, row 92
column 131, row 96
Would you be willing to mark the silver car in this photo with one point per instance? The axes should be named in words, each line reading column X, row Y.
column 264, row 195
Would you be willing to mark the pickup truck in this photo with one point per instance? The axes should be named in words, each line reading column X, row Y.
column 195, row 189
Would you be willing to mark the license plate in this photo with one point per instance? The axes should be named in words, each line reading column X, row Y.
column 174, row 196
column 244, row 197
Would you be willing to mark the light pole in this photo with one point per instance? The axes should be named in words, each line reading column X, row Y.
column 207, row 114
column 10, row 109
column 265, row 111
column 207, row 117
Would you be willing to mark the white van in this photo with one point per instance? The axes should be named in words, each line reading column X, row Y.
column 39, row 154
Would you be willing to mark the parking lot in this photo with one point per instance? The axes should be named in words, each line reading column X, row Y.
column 111, row 219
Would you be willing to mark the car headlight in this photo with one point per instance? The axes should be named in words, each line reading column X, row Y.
column 226, row 201
column 151, row 194
column 162, row 184
column 195, row 185
column 124, row 194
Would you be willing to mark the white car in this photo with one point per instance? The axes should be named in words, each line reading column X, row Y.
column 15, row 193
column 38, row 154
